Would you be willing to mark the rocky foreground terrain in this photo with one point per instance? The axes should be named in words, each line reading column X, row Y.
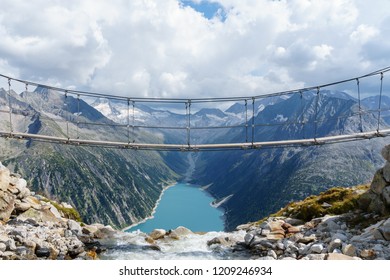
column 34, row 227
column 339, row 224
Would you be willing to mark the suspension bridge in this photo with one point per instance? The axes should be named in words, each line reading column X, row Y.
column 73, row 124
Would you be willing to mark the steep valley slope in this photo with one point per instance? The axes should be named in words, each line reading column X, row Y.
column 110, row 186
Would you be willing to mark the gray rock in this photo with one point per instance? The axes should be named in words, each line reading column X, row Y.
column 7, row 202
column 89, row 229
column 21, row 185
column 339, row 236
column 316, row 248
column 10, row 245
column 386, row 172
column 329, row 225
column 3, row 247
column 22, row 251
column 22, row 206
column 349, row 250
column 386, row 152
column 378, row 182
column 248, row 238
column 74, row 227
column 280, row 246
column 386, row 195
column 271, row 253
column 55, row 212
column 4, row 178
column 294, row 222
column 316, row 257
column 4, row 238
column 42, row 252
column 105, row 232
column 335, row 244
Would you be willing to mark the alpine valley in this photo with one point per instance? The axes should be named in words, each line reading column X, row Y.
column 120, row 187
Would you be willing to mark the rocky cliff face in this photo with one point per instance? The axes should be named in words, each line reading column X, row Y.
column 377, row 198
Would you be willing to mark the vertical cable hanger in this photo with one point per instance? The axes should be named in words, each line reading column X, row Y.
column 128, row 120
column 10, row 107
column 246, row 121
column 360, row 105
column 316, row 114
column 253, row 120
column 67, row 117
column 188, row 111
column 380, row 102
column 133, row 125
column 302, row 115
column 77, row 116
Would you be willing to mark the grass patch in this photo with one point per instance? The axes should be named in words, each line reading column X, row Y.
column 334, row 201
column 69, row 213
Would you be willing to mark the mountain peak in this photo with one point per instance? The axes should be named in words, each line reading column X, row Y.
column 210, row 111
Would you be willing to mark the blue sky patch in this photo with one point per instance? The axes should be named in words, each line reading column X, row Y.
column 207, row 8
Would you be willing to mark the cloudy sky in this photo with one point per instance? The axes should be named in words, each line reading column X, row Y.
column 199, row 48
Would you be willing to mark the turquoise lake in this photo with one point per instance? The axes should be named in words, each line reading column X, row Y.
column 184, row 205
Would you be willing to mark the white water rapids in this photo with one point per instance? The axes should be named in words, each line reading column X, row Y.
column 132, row 246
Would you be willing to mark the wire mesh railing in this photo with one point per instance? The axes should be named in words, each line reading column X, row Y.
column 347, row 110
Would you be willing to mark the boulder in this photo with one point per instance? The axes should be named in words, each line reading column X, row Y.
column 104, row 232
column 276, row 226
column 293, row 230
column 42, row 252
column 275, row 235
column 386, row 196
column 33, row 201
column 294, row 222
column 306, row 239
column 366, row 198
column 337, row 257
column 7, row 205
column 334, row 244
column 316, row 249
column 4, row 178
column 43, row 215
column 272, row 253
column 21, row 206
column 368, row 254
column 386, row 152
column 248, row 238
column 21, row 186
column 386, row 172
column 157, row 234
column 182, row 231
column 74, row 227
column 3, row 247
column 89, row 229
column 385, row 229
column 340, row 236
column 225, row 241
column 378, row 182
column 55, row 212
column 349, row 250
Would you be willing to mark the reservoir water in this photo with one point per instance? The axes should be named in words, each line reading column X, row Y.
column 184, row 205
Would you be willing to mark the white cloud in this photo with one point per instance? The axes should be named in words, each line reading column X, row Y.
column 364, row 33
column 162, row 48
